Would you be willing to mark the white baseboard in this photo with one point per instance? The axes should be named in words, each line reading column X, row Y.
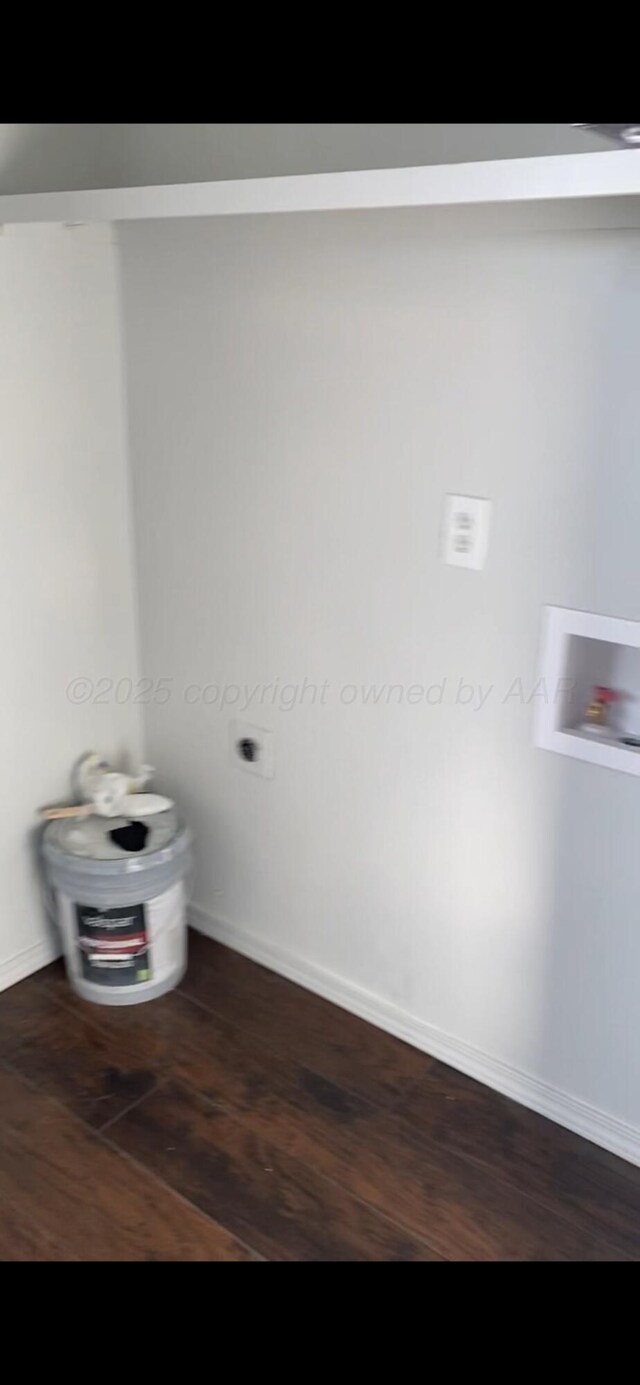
column 607, row 1131
column 29, row 960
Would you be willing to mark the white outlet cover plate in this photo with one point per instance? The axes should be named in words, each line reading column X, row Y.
column 465, row 531
column 264, row 766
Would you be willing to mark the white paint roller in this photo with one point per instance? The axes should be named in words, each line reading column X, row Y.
column 109, row 793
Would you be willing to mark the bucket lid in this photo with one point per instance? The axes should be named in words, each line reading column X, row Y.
column 89, row 838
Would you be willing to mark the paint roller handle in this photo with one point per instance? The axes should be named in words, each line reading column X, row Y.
column 79, row 810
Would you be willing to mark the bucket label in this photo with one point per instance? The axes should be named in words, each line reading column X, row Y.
column 114, row 945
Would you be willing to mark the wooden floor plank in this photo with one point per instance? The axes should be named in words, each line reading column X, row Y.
column 232, row 970
column 374, row 1155
column 82, row 1057
column 22, row 1008
column 264, row 1105
column 449, row 1111
column 256, row 1190
column 286, row 1018
column 88, row 1199
column 21, row 1238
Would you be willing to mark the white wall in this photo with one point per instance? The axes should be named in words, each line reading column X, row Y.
column 42, row 158
column 65, row 554
column 195, row 153
column 47, row 158
column 303, row 392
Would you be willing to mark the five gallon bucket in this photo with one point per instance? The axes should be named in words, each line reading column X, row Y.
column 122, row 915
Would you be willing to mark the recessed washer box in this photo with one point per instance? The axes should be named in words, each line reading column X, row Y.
column 581, row 651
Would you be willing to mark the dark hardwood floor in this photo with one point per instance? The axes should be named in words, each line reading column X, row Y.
column 242, row 1118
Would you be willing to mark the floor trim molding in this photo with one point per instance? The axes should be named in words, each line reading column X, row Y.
column 31, row 959
column 609, row 1132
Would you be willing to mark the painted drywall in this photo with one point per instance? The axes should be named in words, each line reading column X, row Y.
column 65, row 552
column 197, row 153
column 303, row 392
column 44, row 158
column 48, row 158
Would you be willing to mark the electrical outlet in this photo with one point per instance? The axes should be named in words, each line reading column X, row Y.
column 465, row 531
column 253, row 749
